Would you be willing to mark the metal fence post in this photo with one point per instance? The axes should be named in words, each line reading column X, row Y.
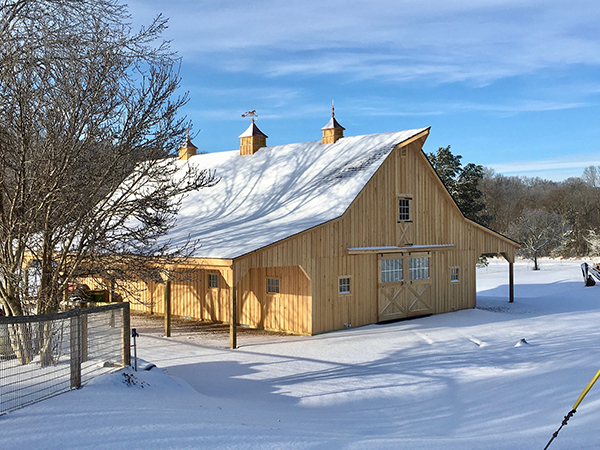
column 75, row 350
column 83, row 337
column 134, row 334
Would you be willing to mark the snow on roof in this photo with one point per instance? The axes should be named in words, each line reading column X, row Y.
column 277, row 192
column 252, row 130
column 332, row 124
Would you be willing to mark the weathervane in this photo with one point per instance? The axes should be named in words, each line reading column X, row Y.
column 188, row 140
column 332, row 109
column 251, row 115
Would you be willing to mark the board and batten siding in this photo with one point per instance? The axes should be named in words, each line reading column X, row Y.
column 191, row 295
column 372, row 221
column 288, row 310
column 310, row 263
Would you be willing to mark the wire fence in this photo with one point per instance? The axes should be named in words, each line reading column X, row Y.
column 42, row 356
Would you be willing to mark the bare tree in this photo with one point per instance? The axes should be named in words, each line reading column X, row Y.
column 576, row 199
column 88, row 133
column 578, row 202
column 591, row 176
column 539, row 233
column 504, row 199
column 593, row 240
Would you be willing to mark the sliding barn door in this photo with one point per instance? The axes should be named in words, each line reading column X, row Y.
column 404, row 287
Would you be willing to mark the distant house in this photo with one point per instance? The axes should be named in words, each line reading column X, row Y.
column 322, row 235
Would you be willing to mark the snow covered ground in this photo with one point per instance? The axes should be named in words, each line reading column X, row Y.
column 461, row 380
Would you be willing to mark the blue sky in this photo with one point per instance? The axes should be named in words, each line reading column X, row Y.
column 513, row 85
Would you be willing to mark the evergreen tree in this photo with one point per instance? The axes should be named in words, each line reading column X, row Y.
column 462, row 183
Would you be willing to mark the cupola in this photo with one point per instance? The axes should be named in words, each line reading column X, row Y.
column 252, row 139
column 333, row 130
column 188, row 149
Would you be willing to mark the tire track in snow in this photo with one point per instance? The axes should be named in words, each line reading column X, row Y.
column 425, row 338
column 477, row 342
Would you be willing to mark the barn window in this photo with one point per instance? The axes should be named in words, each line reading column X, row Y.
column 344, row 284
column 272, row 285
column 418, row 268
column 454, row 275
column 213, row 280
column 404, row 210
column 391, row 270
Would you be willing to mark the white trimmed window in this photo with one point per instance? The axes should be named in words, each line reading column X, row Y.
column 418, row 268
column 454, row 275
column 344, row 284
column 391, row 270
column 213, row 280
column 404, row 210
column 272, row 285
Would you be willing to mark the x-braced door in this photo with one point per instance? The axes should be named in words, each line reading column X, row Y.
column 404, row 287
column 418, row 298
column 391, row 301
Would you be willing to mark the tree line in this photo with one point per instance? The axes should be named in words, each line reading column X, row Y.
column 548, row 218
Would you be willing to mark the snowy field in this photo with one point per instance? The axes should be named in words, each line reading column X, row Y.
column 461, row 380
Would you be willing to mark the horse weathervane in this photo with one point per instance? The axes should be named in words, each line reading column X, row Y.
column 251, row 115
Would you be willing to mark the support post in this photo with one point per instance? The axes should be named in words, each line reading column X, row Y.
column 233, row 320
column 168, row 308
column 511, row 276
column 511, row 283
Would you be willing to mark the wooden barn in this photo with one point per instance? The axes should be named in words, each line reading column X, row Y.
column 322, row 235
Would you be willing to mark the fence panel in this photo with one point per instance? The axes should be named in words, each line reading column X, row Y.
column 42, row 356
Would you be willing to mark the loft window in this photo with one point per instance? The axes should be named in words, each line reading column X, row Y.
column 454, row 275
column 404, row 210
column 344, row 284
column 272, row 285
column 391, row 270
column 213, row 280
column 418, row 268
